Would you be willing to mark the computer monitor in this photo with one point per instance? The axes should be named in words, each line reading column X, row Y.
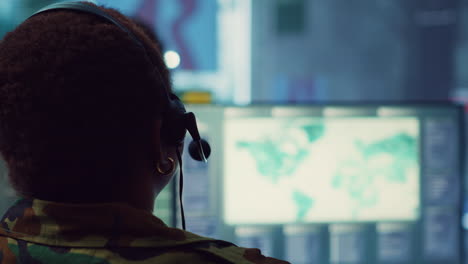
column 335, row 183
column 329, row 164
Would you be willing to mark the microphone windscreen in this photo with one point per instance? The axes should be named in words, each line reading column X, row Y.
column 194, row 149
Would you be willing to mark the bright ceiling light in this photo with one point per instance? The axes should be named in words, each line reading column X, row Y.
column 172, row 59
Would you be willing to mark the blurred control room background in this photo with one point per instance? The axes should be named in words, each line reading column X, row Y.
column 337, row 126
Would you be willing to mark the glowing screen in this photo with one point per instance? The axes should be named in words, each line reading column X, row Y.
column 316, row 169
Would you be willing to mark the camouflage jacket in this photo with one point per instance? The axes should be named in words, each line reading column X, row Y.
column 35, row 231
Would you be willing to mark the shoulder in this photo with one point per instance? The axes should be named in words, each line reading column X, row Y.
column 230, row 253
column 217, row 251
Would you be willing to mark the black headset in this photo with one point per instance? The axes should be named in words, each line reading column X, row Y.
column 175, row 119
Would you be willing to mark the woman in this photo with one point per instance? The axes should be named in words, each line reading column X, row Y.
column 83, row 131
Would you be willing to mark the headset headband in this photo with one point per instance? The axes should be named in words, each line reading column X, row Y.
column 78, row 6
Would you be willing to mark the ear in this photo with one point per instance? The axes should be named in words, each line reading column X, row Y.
column 162, row 149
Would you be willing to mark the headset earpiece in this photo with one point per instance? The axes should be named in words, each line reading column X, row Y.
column 199, row 150
column 176, row 122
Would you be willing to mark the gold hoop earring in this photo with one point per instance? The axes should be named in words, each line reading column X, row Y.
column 170, row 170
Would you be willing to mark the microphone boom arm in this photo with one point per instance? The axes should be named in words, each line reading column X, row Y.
column 191, row 125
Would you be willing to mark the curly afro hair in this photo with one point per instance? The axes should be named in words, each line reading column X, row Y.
column 78, row 104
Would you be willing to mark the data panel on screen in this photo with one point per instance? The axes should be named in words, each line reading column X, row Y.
column 316, row 169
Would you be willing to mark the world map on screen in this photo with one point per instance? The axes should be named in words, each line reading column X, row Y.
column 322, row 170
